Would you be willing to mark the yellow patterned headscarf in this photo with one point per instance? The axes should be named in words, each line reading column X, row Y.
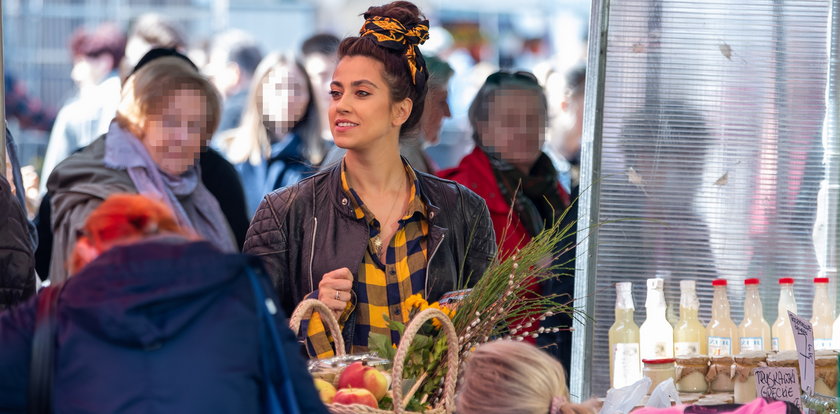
column 392, row 34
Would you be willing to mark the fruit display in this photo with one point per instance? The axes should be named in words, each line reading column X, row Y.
column 356, row 383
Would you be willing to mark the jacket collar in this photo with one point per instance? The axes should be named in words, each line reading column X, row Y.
column 344, row 205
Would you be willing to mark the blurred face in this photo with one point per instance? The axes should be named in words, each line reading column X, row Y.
column 515, row 127
column 361, row 112
column 89, row 71
column 435, row 109
column 285, row 96
column 174, row 134
column 320, row 68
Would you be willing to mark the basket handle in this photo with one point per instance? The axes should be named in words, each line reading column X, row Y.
column 450, row 381
column 305, row 309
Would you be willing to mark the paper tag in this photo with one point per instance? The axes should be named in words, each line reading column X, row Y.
column 803, row 336
column 686, row 348
column 780, row 384
column 628, row 365
column 820, row 344
column 775, row 344
column 752, row 343
column 720, row 345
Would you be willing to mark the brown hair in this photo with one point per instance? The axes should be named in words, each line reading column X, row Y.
column 120, row 219
column 145, row 91
column 107, row 39
column 397, row 72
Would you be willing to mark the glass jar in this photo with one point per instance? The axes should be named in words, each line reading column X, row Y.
column 825, row 381
column 658, row 370
column 720, row 373
column 743, row 375
column 785, row 359
column 690, row 372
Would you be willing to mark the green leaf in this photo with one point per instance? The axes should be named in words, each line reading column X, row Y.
column 381, row 344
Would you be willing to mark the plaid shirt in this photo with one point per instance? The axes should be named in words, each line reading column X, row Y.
column 381, row 289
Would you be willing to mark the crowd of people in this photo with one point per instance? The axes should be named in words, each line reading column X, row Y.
column 170, row 178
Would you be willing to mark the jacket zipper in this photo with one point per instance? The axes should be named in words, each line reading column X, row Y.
column 429, row 263
column 312, row 254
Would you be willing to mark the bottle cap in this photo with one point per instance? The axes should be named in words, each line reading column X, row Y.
column 659, row 361
column 719, row 282
column 786, row 281
column 751, row 281
column 687, row 284
column 624, row 287
column 820, row 280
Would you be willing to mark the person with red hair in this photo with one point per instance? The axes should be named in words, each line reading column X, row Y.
column 151, row 320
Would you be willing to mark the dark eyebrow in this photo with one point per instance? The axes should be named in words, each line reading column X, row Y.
column 355, row 83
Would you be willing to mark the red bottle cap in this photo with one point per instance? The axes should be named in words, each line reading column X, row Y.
column 719, row 282
column 751, row 281
column 659, row 361
column 786, row 281
column 820, row 280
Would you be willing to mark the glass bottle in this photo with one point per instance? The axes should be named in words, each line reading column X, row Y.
column 689, row 333
column 782, row 331
column 625, row 360
column 754, row 332
column 721, row 331
column 656, row 334
column 822, row 319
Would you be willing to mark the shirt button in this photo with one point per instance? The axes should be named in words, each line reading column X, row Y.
column 343, row 201
column 392, row 272
column 432, row 215
column 396, row 310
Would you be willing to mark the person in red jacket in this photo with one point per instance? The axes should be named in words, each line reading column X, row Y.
column 516, row 179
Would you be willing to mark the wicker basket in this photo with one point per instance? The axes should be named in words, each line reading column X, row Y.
column 447, row 403
column 305, row 309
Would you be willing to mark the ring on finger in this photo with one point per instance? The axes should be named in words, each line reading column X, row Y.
column 337, row 295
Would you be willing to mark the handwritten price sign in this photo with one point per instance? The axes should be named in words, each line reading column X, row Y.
column 780, row 384
column 803, row 335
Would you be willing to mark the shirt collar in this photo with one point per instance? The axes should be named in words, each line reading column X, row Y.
column 415, row 202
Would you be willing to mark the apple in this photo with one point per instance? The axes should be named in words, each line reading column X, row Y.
column 355, row 396
column 325, row 390
column 359, row 375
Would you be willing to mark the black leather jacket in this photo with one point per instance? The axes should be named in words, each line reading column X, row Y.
column 308, row 229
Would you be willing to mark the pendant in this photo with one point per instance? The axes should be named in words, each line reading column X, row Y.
column 377, row 242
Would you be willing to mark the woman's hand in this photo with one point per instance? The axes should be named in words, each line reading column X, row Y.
column 334, row 290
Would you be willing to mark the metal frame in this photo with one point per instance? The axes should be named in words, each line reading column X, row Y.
column 589, row 208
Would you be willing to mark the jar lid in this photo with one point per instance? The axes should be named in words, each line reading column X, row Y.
column 693, row 359
column 659, row 361
column 751, row 281
column 782, row 358
column 751, row 357
column 717, row 359
column 786, row 281
column 719, row 282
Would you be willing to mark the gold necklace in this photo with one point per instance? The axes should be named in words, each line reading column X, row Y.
column 377, row 240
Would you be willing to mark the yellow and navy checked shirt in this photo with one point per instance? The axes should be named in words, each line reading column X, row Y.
column 381, row 289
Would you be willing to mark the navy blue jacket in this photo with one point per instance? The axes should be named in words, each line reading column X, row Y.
column 162, row 326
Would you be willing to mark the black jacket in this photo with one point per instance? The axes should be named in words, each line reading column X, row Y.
column 17, row 265
column 306, row 230
column 161, row 326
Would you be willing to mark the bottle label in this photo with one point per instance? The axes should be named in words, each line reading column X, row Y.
column 775, row 344
column 628, row 365
column 720, row 345
column 686, row 348
column 752, row 343
column 822, row 344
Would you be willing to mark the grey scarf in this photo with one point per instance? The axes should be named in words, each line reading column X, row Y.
column 124, row 151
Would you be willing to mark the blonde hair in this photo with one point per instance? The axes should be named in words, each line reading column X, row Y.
column 251, row 140
column 145, row 91
column 510, row 377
